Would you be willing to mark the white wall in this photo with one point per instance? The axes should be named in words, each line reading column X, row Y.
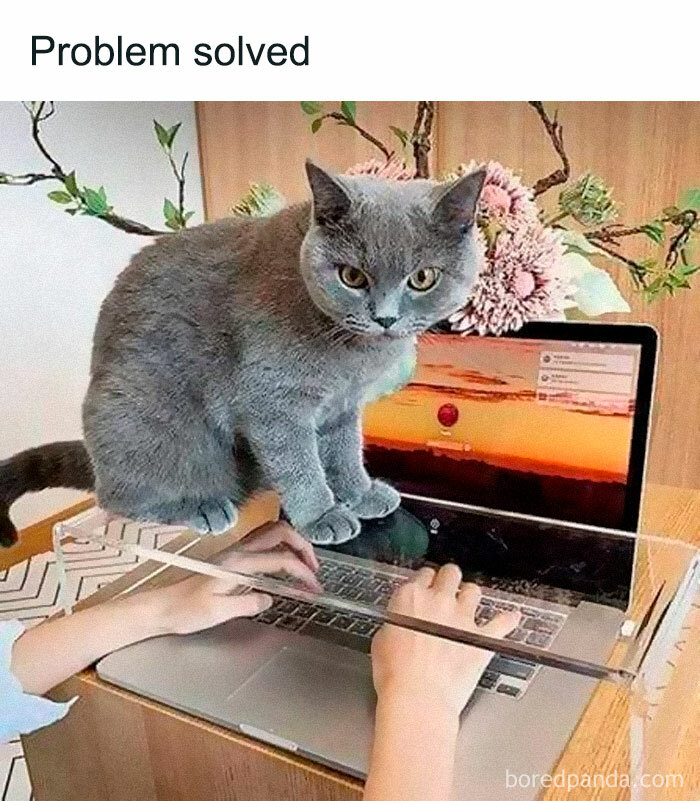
column 55, row 269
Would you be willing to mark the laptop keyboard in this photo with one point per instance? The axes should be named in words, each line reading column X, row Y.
column 504, row 675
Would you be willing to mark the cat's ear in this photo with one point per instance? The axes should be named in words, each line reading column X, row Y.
column 331, row 201
column 455, row 206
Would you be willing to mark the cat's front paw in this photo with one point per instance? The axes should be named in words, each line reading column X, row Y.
column 380, row 500
column 214, row 516
column 337, row 525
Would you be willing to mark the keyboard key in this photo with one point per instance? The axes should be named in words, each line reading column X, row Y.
column 363, row 627
column 508, row 689
column 291, row 623
column 551, row 617
column 538, row 639
column 286, row 607
column 306, row 611
column 488, row 680
column 547, row 628
column 270, row 616
column 324, row 617
column 342, row 622
column 518, row 635
column 512, row 667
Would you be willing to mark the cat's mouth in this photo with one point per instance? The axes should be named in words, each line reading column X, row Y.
column 375, row 330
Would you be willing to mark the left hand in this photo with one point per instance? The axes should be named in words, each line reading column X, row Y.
column 199, row 602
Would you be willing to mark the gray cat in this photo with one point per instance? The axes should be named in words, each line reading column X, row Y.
column 237, row 356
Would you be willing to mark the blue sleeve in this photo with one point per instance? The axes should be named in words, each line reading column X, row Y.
column 21, row 713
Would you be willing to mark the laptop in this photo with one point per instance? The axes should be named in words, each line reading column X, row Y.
column 496, row 444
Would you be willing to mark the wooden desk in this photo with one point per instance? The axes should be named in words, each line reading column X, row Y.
column 115, row 746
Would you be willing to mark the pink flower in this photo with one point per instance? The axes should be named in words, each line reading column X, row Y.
column 523, row 283
column 393, row 170
column 519, row 282
column 504, row 198
column 495, row 200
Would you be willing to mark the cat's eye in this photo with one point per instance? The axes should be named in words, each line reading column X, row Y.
column 423, row 279
column 352, row 277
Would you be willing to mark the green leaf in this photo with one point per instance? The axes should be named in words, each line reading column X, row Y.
column 595, row 292
column 60, row 197
column 261, row 200
column 316, row 124
column 161, row 134
column 691, row 199
column 70, row 184
column 348, row 108
column 72, row 212
column 311, row 107
column 402, row 135
column 169, row 211
column 187, row 215
column 173, row 225
column 101, row 192
column 94, row 201
column 655, row 231
column 171, row 133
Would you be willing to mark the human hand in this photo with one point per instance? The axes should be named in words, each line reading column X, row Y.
column 429, row 669
column 199, row 602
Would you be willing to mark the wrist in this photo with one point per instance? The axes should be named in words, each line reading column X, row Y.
column 148, row 613
column 420, row 705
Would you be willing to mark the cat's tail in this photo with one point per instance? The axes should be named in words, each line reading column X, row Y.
column 59, row 464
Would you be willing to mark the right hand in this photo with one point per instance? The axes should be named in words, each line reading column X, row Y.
column 429, row 669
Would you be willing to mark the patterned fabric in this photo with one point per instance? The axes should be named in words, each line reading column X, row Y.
column 29, row 593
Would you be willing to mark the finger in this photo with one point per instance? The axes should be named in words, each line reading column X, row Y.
column 423, row 577
column 468, row 598
column 279, row 562
column 502, row 624
column 264, row 537
column 249, row 604
column 448, row 579
column 281, row 533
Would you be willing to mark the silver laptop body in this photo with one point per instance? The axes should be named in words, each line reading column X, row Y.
column 306, row 686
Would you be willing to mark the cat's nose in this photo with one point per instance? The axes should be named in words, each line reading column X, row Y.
column 386, row 322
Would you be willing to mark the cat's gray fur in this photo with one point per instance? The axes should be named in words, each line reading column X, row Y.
column 231, row 358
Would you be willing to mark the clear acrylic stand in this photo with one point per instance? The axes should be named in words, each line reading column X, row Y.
column 634, row 600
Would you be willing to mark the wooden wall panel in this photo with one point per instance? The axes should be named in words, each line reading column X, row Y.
column 269, row 142
column 648, row 152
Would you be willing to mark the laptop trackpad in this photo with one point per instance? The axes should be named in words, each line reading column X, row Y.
column 310, row 703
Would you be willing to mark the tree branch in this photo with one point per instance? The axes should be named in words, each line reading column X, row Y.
column 27, row 179
column 555, row 133
column 422, row 131
column 342, row 119
column 41, row 111
column 637, row 270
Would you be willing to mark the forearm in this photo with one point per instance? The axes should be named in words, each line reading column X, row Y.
column 53, row 651
column 413, row 751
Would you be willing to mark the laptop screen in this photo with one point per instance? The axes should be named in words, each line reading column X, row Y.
column 550, row 422
column 537, row 426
